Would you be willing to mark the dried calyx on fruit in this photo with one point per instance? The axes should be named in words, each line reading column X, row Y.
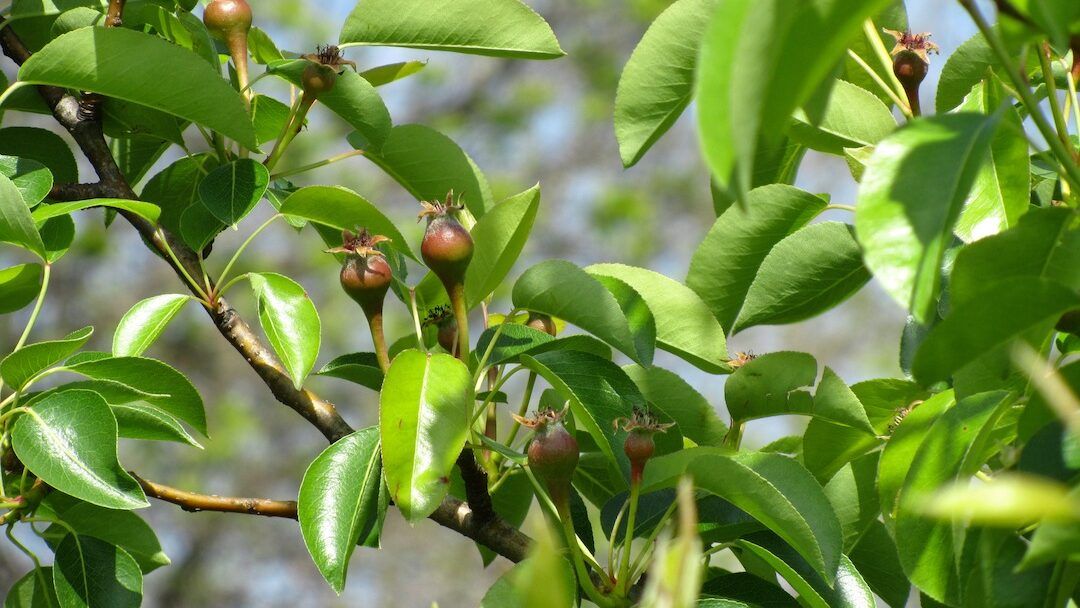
column 447, row 249
column 639, row 445
column 541, row 322
column 324, row 66
column 553, row 454
column 366, row 277
column 911, row 60
column 229, row 21
column 442, row 317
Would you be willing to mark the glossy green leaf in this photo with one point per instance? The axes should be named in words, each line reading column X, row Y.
column 514, row 340
column 965, row 68
column 904, row 442
column 910, row 197
column 140, row 421
column 69, row 441
column 428, row 165
column 599, row 392
column 748, row 86
column 19, row 286
column 1000, row 193
column 121, row 528
column 1011, row 500
column 835, row 402
column 668, row 392
column 231, row 191
column 770, row 385
column 146, row 211
column 852, row 118
column 1040, row 245
column 175, row 189
column 16, row 224
column 290, row 321
column 854, row 497
column 876, row 559
column 268, row 116
column 562, row 290
column 143, row 323
column 774, row 489
column 639, row 316
column 32, row 359
column 498, row 239
column 43, row 146
column 658, row 80
column 1053, row 540
column 35, row 590
column 118, row 62
column 726, row 262
column 353, row 98
column 360, row 368
column 31, row 178
column 168, row 389
column 385, row 74
column 57, row 234
column 343, row 209
column 424, row 415
column 510, row 27
column 684, row 324
column 91, row 573
column 992, row 318
column 262, row 47
column 807, row 273
column 342, row 503
column 930, row 550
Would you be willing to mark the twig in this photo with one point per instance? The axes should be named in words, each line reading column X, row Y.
column 190, row 501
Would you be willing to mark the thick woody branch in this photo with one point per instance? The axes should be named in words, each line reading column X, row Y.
column 80, row 118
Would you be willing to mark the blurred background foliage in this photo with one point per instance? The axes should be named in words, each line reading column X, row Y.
column 523, row 122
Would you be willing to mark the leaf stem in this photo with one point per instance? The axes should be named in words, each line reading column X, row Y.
column 491, row 393
column 885, row 88
column 639, row 564
column 1051, row 93
column 461, row 316
column 232, row 261
column 180, row 267
column 584, row 578
column 1066, row 158
column 316, row 165
column 46, row 273
column 378, row 339
column 523, row 408
column 491, row 347
column 416, row 320
column 884, row 58
column 292, row 128
column 838, row 207
column 628, row 538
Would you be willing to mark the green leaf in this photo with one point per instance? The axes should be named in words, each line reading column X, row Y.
column 773, row 489
column 807, row 273
column 429, row 164
column 1040, row 245
column 424, row 416
column 1053, row 540
column 121, row 528
column 231, row 191
column 43, row 146
column 544, row 579
column 852, row 118
column 171, row 391
column 657, row 82
column 1011, row 500
column 910, row 197
column 835, row 402
column 69, row 440
column 509, row 27
column 992, row 318
column 31, row 178
column 906, row 438
column 599, row 392
column 91, row 573
column 175, row 189
column 385, row 74
column 263, row 49
column 353, row 98
column 16, row 224
column 748, row 83
column 726, row 262
column 35, row 590
column 139, row 421
column 146, row 211
column 360, row 368
column 32, row 359
column 639, row 316
column 19, row 286
column 951, row 450
column 514, row 340
column 1000, row 193
column 57, row 234
column 673, row 396
column 290, row 321
column 854, row 497
column 268, row 116
column 342, row 502
column 684, row 324
column 875, row 557
column 561, row 289
column 343, row 209
column 770, row 385
column 143, row 323
column 118, row 62
column 136, row 155
column 498, row 239
column 849, row 590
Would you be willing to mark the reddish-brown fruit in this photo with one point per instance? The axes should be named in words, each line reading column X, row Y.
column 541, row 322
column 553, row 454
column 448, row 334
column 910, row 69
column 317, row 79
column 225, row 19
column 447, row 247
column 639, row 445
column 365, row 275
